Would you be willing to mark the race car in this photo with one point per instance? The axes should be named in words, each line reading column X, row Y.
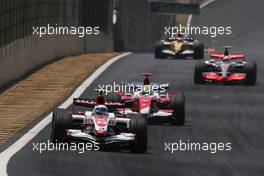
column 179, row 48
column 156, row 105
column 226, row 68
column 101, row 125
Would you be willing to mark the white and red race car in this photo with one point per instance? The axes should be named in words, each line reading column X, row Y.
column 99, row 125
column 156, row 106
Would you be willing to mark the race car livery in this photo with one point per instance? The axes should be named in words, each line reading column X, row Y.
column 179, row 48
column 156, row 106
column 226, row 68
column 101, row 125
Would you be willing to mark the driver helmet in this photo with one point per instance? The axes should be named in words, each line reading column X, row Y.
column 226, row 58
column 179, row 35
column 179, row 39
column 101, row 110
column 146, row 89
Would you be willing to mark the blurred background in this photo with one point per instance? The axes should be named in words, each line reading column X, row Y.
column 124, row 25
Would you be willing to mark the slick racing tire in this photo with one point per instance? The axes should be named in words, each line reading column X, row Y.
column 138, row 126
column 198, row 72
column 198, row 49
column 251, row 73
column 113, row 97
column 177, row 104
column 61, row 120
column 158, row 52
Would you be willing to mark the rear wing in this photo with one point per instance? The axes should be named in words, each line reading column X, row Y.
column 231, row 56
column 91, row 103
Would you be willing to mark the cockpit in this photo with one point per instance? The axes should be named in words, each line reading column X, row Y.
column 147, row 90
column 100, row 110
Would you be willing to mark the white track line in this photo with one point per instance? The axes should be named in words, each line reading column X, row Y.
column 201, row 6
column 20, row 143
column 206, row 3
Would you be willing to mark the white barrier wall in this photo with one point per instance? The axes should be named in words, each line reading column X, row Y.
column 24, row 55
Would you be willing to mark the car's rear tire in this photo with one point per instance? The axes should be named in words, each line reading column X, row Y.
column 198, row 49
column 251, row 73
column 158, row 52
column 61, row 120
column 177, row 104
column 198, row 72
column 138, row 126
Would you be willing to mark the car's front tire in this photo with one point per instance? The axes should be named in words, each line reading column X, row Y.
column 177, row 104
column 138, row 126
column 61, row 120
column 198, row 73
column 198, row 49
column 158, row 52
column 251, row 73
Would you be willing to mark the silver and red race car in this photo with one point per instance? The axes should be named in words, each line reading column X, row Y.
column 226, row 68
column 101, row 125
column 152, row 102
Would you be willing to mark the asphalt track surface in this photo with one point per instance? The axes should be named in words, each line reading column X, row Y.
column 214, row 113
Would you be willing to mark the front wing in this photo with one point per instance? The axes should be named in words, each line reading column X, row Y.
column 79, row 135
column 215, row 77
column 185, row 53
